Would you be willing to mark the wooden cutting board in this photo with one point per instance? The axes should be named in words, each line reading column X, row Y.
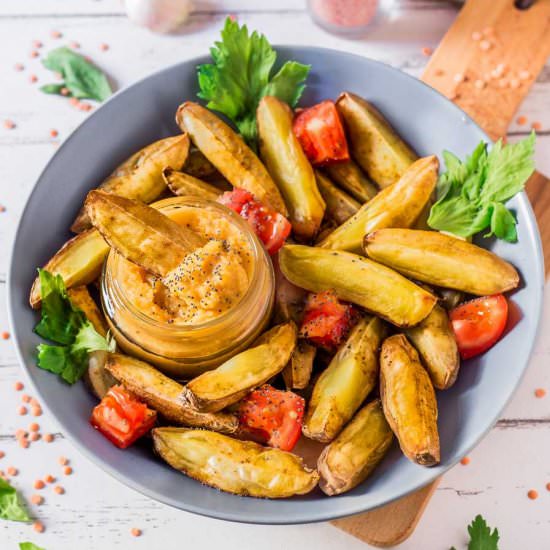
column 465, row 68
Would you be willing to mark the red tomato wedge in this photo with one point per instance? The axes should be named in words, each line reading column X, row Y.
column 121, row 418
column 271, row 227
column 273, row 415
column 320, row 131
column 479, row 324
column 327, row 321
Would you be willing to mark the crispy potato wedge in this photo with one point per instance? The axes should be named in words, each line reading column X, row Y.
column 435, row 342
column 240, row 467
column 298, row 372
column 141, row 233
column 352, row 179
column 197, row 165
column 216, row 389
column 359, row 280
column 442, row 260
column 354, row 454
column 396, row 206
column 289, row 167
column 229, row 154
column 78, row 262
column 340, row 205
column 409, row 402
column 374, row 143
column 164, row 394
column 185, row 185
column 80, row 297
column 345, row 383
column 140, row 177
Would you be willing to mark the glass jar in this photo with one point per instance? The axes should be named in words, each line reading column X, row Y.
column 183, row 351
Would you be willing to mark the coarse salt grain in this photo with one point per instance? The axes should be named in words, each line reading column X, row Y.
column 18, row 386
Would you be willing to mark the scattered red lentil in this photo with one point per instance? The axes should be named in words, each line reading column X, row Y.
column 18, row 386
column 67, row 470
column 135, row 532
column 19, row 67
column 103, row 47
column 537, row 126
column 5, row 335
column 56, row 34
column 37, row 499
column 74, row 101
column 35, row 436
column 11, row 471
column 532, row 494
column 427, row 51
column 20, row 433
column 38, row 526
column 34, row 402
column 85, row 107
column 521, row 120
column 2, row 208
column 50, row 479
column 64, row 91
column 9, row 125
column 548, row 486
column 2, row 454
column 37, row 44
column 24, row 443
column 74, row 45
column 26, row 398
column 34, row 53
column 540, row 392
column 33, row 78
column 48, row 438
column 36, row 411
column 63, row 461
column 34, row 427
column 54, row 133
column 58, row 490
column 39, row 484
column 22, row 410
column 465, row 461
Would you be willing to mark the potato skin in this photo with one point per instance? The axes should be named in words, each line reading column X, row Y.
column 435, row 342
column 351, row 178
column 398, row 205
column 289, row 167
column 164, row 394
column 374, row 143
column 340, row 205
column 356, row 452
column 197, row 165
column 359, row 280
column 441, row 260
column 298, row 371
column 409, row 402
column 346, row 382
column 140, row 177
column 216, row 389
column 80, row 297
column 182, row 184
column 239, row 467
column 227, row 151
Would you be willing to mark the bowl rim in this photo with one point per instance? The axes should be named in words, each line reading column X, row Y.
column 343, row 510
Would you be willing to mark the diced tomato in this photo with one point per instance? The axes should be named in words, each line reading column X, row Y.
column 271, row 227
column 327, row 321
column 273, row 415
column 320, row 131
column 121, row 418
column 479, row 324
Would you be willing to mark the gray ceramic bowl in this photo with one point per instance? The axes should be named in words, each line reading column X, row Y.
column 145, row 112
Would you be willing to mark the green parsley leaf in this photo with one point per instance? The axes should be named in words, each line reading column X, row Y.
column 481, row 537
column 471, row 194
column 10, row 503
column 63, row 360
column 88, row 339
column 29, row 546
column 240, row 77
column 83, row 79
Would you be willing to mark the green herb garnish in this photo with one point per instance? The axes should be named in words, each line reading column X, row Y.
column 81, row 78
column 64, row 324
column 11, row 506
column 481, row 537
column 29, row 546
column 240, row 77
column 471, row 195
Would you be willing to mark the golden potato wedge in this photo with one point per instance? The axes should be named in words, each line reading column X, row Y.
column 345, row 383
column 185, row 185
column 140, row 177
column 80, row 298
column 240, row 467
column 354, row 454
column 450, row 298
column 435, row 342
column 216, row 389
column 442, row 260
column 359, row 280
column 409, row 402
column 141, row 233
column 352, row 179
column 396, row 206
column 197, row 165
column 340, row 205
column 289, row 167
column 164, row 394
column 229, row 154
column 374, row 143
column 298, row 372
column 78, row 262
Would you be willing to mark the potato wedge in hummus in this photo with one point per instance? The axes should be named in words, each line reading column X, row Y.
column 240, row 467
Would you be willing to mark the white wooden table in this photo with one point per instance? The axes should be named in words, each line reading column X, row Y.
column 98, row 512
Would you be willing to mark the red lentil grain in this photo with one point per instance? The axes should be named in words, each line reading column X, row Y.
column 537, row 126
column 540, row 392
column 59, row 490
column 48, row 438
column 465, row 461
column 62, row 461
column 2, row 454
column 39, row 484
column 5, row 335
column 34, row 54
column 35, row 436
column 38, row 526
column 103, row 47
column 19, row 67
column 22, row 410
column 521, row 120
column 9, row 125
column 54, row 133
column 74, row 45
column 135, row 532
column 36, row 411
column 12, row 471
column 548, row 486
column 37, row 499
column 24, row 443
column 34, row 427
column 64, row 91
column 56, row 34
column 67, row 470
column 488, row 31
column 503, row 83
column 532, row 494
column 480, row 84
column 37, row 44
column 18, row 386
column 2, row 208
column 50, row 479
column 34, row 402
column 20, row 433
column 74, row 101
column 426, row 51
column 33, row 78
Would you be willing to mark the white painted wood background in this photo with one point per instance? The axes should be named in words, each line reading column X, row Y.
column 98, row 512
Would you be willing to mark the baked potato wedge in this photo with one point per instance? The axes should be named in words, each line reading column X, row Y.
column 346, row 382
column 216, row 389
column 354, row 454
column 164, row 394
column 396, row 206
column 435, row 342
column 340, row 206
column 441, row 260
column 298, row 371
column 289, row 167
column 356, row 279
column 352, row 180
column 450, row 298
column 80, row 298
column 227, row 151
column 140, row 177
column 197, row 165
column 141, row 233
column 183, row 184
column 374, row 143
column 240, row 467
column 78, row 261
column 409, row 402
